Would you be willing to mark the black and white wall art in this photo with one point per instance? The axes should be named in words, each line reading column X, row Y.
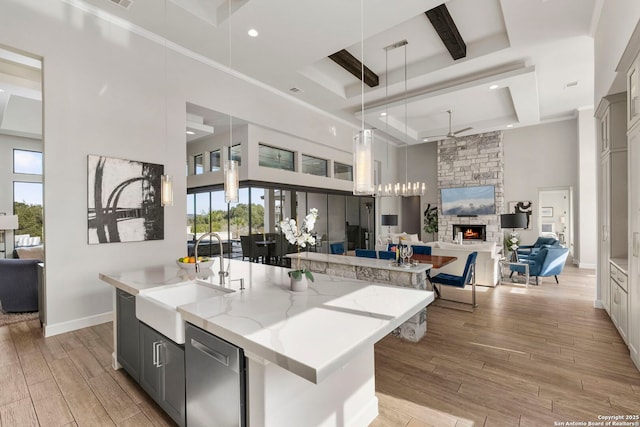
column 522, row 207
column 124, row 200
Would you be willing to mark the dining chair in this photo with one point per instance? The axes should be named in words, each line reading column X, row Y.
column 421, row 250
column 337, row 248
column 386, row 255
column 366, row 253
column 468, row 277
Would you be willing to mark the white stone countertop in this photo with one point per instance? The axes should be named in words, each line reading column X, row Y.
column 360, row 262
column 312, row 333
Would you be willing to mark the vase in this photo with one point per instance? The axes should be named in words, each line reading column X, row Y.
column 299, row 285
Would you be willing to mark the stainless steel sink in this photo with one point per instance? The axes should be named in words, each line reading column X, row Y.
column 158, row 307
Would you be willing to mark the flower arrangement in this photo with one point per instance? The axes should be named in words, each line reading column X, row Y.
column 511, row 242
column 300, row 236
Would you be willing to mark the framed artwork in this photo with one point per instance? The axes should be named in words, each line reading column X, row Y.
column 546, row 211
column 522, row 207
column 124, row 200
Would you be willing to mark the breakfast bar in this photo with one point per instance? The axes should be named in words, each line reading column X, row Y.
column 375, row 270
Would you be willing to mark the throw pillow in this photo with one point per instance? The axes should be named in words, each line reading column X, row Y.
column 32, row 252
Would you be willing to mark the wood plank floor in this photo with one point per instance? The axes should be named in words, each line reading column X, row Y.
column 67, row 380
column 526, row 357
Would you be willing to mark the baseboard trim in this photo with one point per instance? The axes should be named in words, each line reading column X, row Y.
column 72, row 325
column 587, row 266
column 598, row 304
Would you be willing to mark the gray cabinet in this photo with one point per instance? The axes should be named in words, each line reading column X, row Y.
column 162, row 373
column 128, row 333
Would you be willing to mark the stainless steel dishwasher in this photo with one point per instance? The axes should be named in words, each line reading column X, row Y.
column 215, row 383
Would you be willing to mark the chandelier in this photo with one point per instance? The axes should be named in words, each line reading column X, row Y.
column 407, row 188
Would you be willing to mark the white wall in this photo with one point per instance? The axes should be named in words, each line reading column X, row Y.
column 587, row 242
column 422, row 166
column 535, row 157
column 616, row 24
column 105, row 93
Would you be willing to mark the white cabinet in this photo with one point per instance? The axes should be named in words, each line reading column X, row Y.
column 619, row 310
column 633, row 90
column 612, row 189
column 634, row 246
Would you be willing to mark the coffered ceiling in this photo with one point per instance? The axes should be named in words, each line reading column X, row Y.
column 527, row 61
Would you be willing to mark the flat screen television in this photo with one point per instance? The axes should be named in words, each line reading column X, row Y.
column 469, row 201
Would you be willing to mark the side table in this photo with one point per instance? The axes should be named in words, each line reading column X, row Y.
column 506, row 263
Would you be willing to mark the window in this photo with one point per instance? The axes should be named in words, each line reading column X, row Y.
column 342, row 171
column 214, row 158
column 314, row 165
column 198, row 164
column 27, row 204
column 28, row 162
column 276, row 158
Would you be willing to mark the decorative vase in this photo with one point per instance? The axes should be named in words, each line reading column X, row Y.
column 299, row 285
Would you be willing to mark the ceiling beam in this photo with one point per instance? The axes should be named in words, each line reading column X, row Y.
column 355, row 67
column 445, row 27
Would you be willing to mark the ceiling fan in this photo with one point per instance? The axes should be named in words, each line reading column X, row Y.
column 450, row 134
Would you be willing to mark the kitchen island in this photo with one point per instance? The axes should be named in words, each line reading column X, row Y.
column 374, row 270
column 310, row 355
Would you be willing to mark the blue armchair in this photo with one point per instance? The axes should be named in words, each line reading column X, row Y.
column 526, row 251
column 548, row 261
column 19, row 285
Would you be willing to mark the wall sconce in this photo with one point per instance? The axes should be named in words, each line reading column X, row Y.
column 363, row 163
column 166, row 186
column 231, row 181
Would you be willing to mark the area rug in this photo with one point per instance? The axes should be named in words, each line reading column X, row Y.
column 9, row 318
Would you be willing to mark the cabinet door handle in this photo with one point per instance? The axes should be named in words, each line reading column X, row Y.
column 156, row 353
column 159, row 354
column 221, row 358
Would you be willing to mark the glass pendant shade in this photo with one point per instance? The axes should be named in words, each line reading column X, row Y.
column 231, row 181
column 363, row 163
column 166, row 189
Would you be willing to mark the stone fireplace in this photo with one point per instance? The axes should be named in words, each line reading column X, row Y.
column 470, row 232
column 471, row 161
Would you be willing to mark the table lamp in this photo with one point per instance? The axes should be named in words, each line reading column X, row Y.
column 389, row 220
column 7, row 222
column 513, row 221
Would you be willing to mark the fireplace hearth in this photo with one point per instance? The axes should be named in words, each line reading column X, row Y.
column 470, row 232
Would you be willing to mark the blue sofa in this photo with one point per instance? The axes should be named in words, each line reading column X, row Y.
column 19, row 285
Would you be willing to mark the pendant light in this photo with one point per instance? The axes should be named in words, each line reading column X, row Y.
column 166, row 183
column 231, row 175
column 363, row 182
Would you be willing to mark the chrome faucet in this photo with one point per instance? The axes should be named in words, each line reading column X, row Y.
column 222, row 273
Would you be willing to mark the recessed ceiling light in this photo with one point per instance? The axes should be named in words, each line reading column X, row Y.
column 253, row 32
column 190, row 132
column 383, row 114
column 509, row 126
column 492, row 87
column 425, row 139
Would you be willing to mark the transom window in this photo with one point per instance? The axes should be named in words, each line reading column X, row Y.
column 314, row 166
column 277, row 158
column 342, row 171
column 27, row 162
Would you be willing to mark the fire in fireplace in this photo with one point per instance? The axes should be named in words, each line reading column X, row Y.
column 470, row 232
